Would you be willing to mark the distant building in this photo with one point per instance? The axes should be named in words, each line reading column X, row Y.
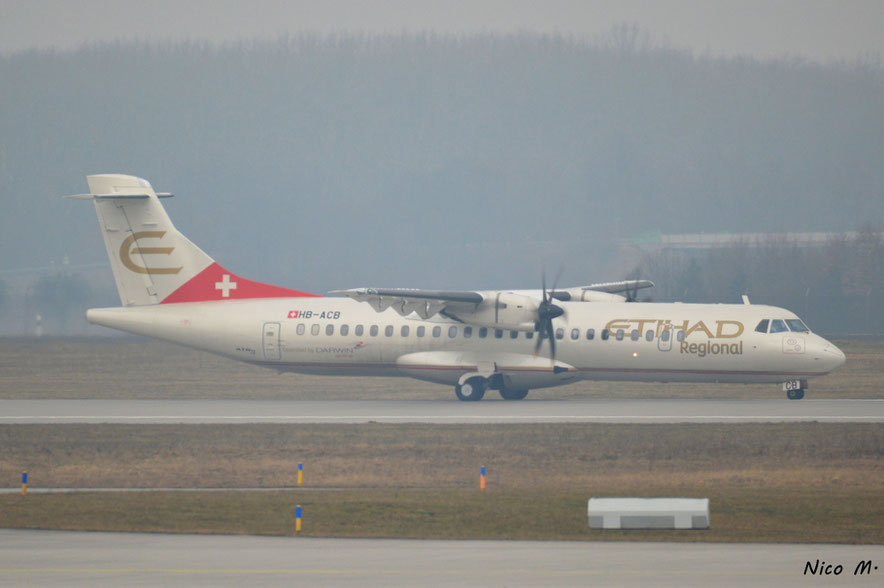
column 687, row 245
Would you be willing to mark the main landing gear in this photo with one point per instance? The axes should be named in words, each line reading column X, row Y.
column 507, row 394
column 473, row 389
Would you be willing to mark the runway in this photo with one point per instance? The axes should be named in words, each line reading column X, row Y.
column 440, row 411
column 74, row 558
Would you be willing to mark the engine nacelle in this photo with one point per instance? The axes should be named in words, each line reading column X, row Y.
column 584, row 295
column 503, row 310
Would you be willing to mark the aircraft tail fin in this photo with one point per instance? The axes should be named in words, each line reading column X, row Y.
column 152, row 262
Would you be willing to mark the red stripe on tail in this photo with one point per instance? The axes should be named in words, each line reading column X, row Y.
column 216, row 283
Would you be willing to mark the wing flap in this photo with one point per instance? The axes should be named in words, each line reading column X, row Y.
column 405, row 301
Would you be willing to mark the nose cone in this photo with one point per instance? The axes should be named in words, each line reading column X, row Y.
column 831, row 357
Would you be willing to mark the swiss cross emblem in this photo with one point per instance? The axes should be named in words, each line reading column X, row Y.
column 293, row 314
column 225, row 285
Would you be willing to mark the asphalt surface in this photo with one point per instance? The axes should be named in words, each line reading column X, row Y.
column 63, row 558
column 440, row 411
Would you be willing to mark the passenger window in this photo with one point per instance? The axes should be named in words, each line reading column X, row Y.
column 590, row 334
column 483, row 332
column 514, row 334
column 575, row 334
column 388, row 331
column 345, row 329
column 762, row 326
column 649, row 335
column 404, row 331
column 467, row 332
column 314, row 329
column 777, row 326
column 452, row 332
column 301, row 329
column 359, row 330
column 680, row 336
column 635, row 335
column 529, row 335
column 421, row 331
column 437, row 331
column 560, row 333
column 605, row 334
column 665, row 335
column 498, row 333
column 373, row 331
column 329, row 330
column 620, row 334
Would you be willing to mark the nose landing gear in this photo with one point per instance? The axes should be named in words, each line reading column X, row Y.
column 795, row 389
column 795, row 394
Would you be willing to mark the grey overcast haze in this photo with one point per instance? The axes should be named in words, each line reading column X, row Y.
column 818, row 30
column 451, row 145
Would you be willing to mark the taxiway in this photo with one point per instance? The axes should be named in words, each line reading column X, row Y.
column 440, row 411
column 60, row 558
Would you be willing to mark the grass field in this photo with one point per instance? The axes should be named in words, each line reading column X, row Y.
column 801, row 482
column 91, row 368
column 767, row 482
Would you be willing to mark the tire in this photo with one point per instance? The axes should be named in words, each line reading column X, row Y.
column 795, row 394
column 508, row 394
column 472, row 390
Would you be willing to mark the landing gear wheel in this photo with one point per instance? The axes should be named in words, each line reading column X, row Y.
column 472, row 390
column 507, row 394
column 795, row 394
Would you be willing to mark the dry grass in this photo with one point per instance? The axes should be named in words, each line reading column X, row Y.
column 747, row 515
column 436, row 456
column 767, row 482
column 128, row 368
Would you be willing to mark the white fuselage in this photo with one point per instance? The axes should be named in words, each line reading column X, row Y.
column 659, row 342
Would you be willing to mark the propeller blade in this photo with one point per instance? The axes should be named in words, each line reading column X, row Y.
column 546, row 312
column 558, row 275
column 552, row 342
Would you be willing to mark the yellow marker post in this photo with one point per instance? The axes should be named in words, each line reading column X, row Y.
column 300, row 473
column 298, row 519
column 24, row 483
column 482, row 479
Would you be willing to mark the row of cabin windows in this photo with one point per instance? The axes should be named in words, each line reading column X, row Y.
column 436, row 331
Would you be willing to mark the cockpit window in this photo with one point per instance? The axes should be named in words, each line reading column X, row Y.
column 778, row 326
column 762, row 326
column 797, row 326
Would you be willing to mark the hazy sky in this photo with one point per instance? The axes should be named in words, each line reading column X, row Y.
column 820, row 30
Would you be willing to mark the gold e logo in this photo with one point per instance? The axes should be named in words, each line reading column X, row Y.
column 126, row 253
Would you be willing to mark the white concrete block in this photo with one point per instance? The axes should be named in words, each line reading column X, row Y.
column 648, row 513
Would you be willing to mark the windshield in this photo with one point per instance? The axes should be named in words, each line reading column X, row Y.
column 778, row 326
column 797, row 325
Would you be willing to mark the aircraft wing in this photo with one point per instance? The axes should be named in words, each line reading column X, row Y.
column 405, row 301
column 617, row 287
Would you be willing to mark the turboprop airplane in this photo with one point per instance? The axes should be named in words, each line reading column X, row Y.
column 506, row 340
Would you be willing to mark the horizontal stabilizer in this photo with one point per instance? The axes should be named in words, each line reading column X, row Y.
column 117, row 196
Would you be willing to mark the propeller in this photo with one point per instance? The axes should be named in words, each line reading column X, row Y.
column 546, row 312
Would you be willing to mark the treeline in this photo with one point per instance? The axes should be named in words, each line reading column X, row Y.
column 324, row 162
column 838, row 287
